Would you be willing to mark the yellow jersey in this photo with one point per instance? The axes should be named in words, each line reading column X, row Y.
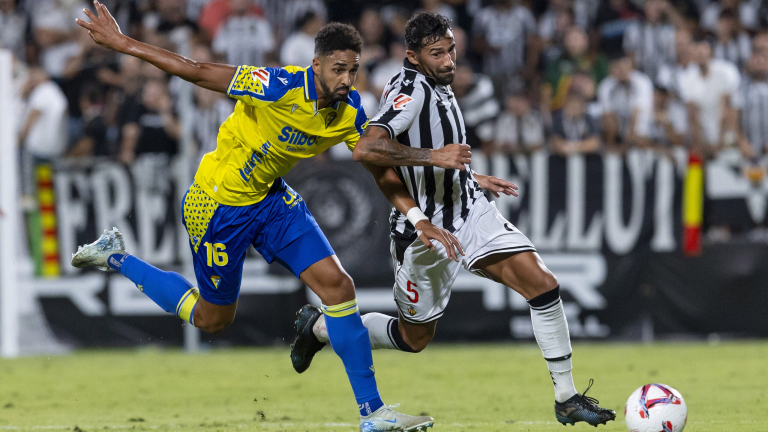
column 275, row 123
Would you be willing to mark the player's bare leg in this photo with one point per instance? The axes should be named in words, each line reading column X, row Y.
column 349, row 339
column 526, row 273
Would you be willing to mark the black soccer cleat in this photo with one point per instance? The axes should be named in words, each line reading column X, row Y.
column 581, row 407
column 305, row 345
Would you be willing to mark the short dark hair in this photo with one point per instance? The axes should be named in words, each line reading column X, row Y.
column 337, row 37
column 425, row 29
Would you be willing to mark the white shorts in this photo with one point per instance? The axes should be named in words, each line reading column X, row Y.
column 424, row 278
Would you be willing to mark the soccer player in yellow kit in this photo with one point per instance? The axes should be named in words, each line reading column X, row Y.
column 239, row 199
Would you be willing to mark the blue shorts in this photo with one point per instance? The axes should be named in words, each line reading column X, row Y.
column 280, row 227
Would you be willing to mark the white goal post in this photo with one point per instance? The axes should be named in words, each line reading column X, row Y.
column 9, row 221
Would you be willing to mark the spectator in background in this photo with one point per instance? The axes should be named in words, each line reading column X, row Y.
column 553, row 24
column 746, row 13
column 93, row 139
column 573, row 130
column 651, row 41
column 437, row 7
column 283, row 14
column 151, row 127
column 626, row 101
column 505, row 35
column 299, row 48
column 518, row 129
column 613, row 19
column 215, row 14
column 754, row 108
column 576, row 64
column 372, row 31
column 560, row 15
column 43, row 132
column 731, row 44
column 243, row 38
column 669, row 125
column 210, row 110
column 708, row 87
column 386, row 69
column 474, row 93
column 760, row 43
column 55, row 34
column 169, row 27
column 668, row 75
column 13, row 29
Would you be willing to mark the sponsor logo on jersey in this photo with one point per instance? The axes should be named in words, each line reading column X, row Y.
column 296, row 137
column 401, row 101
column 283, row 80
column 257, row 157
column 261, row 75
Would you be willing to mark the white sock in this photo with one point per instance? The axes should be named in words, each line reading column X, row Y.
column 378, row 326
column 551, row 330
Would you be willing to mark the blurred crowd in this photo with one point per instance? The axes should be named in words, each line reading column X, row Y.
column 572, row 76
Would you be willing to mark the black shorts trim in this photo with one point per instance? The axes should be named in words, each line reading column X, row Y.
column 412, row 321
column 512, row 250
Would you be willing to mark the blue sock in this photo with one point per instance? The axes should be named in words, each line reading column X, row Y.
column 349, row 338
column 169, row 290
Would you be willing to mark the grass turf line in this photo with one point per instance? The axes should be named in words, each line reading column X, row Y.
column 499, row 387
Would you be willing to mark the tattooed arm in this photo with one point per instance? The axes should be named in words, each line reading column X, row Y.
column 375, row 147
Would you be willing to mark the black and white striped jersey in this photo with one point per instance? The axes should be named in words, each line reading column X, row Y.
column 421, row 114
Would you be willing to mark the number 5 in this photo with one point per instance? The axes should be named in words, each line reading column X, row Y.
column 408, row 288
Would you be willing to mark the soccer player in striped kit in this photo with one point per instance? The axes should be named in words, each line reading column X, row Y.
column 418, row 109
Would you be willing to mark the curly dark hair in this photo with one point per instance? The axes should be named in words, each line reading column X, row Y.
column 425, row 29
column 337, row 37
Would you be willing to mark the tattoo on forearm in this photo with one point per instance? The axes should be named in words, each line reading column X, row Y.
column 382, row 151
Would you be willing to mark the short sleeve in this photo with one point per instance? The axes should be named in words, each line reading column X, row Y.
column 361, row 121
column 401, row 107
column 260, row 86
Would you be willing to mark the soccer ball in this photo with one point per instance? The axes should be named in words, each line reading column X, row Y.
column 655, row 408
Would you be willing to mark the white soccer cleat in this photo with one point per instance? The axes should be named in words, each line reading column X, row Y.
column 98, row 252
column 386, row 419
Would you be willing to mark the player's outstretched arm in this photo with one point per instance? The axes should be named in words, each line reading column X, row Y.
column 375, row 147
column 495, row 185
column 397, row 194
column 104, row 30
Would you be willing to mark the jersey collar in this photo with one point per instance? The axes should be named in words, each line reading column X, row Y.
column 407, row 65
column 310, row 93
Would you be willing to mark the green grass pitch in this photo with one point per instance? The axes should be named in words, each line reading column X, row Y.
column 499, row 387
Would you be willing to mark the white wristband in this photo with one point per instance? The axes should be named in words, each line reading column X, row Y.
column 415, row 215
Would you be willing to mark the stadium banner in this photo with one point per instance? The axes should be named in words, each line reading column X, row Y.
column 609, row 227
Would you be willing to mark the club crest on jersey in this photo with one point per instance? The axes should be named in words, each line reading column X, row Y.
column 294, row 108
column 411, row 310
column 401, row 101
column 216, row 280
column 331, row 117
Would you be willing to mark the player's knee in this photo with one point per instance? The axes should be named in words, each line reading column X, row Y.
column 420, row 344
column 544, row 282
column 338, row 289
column 212, row 324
